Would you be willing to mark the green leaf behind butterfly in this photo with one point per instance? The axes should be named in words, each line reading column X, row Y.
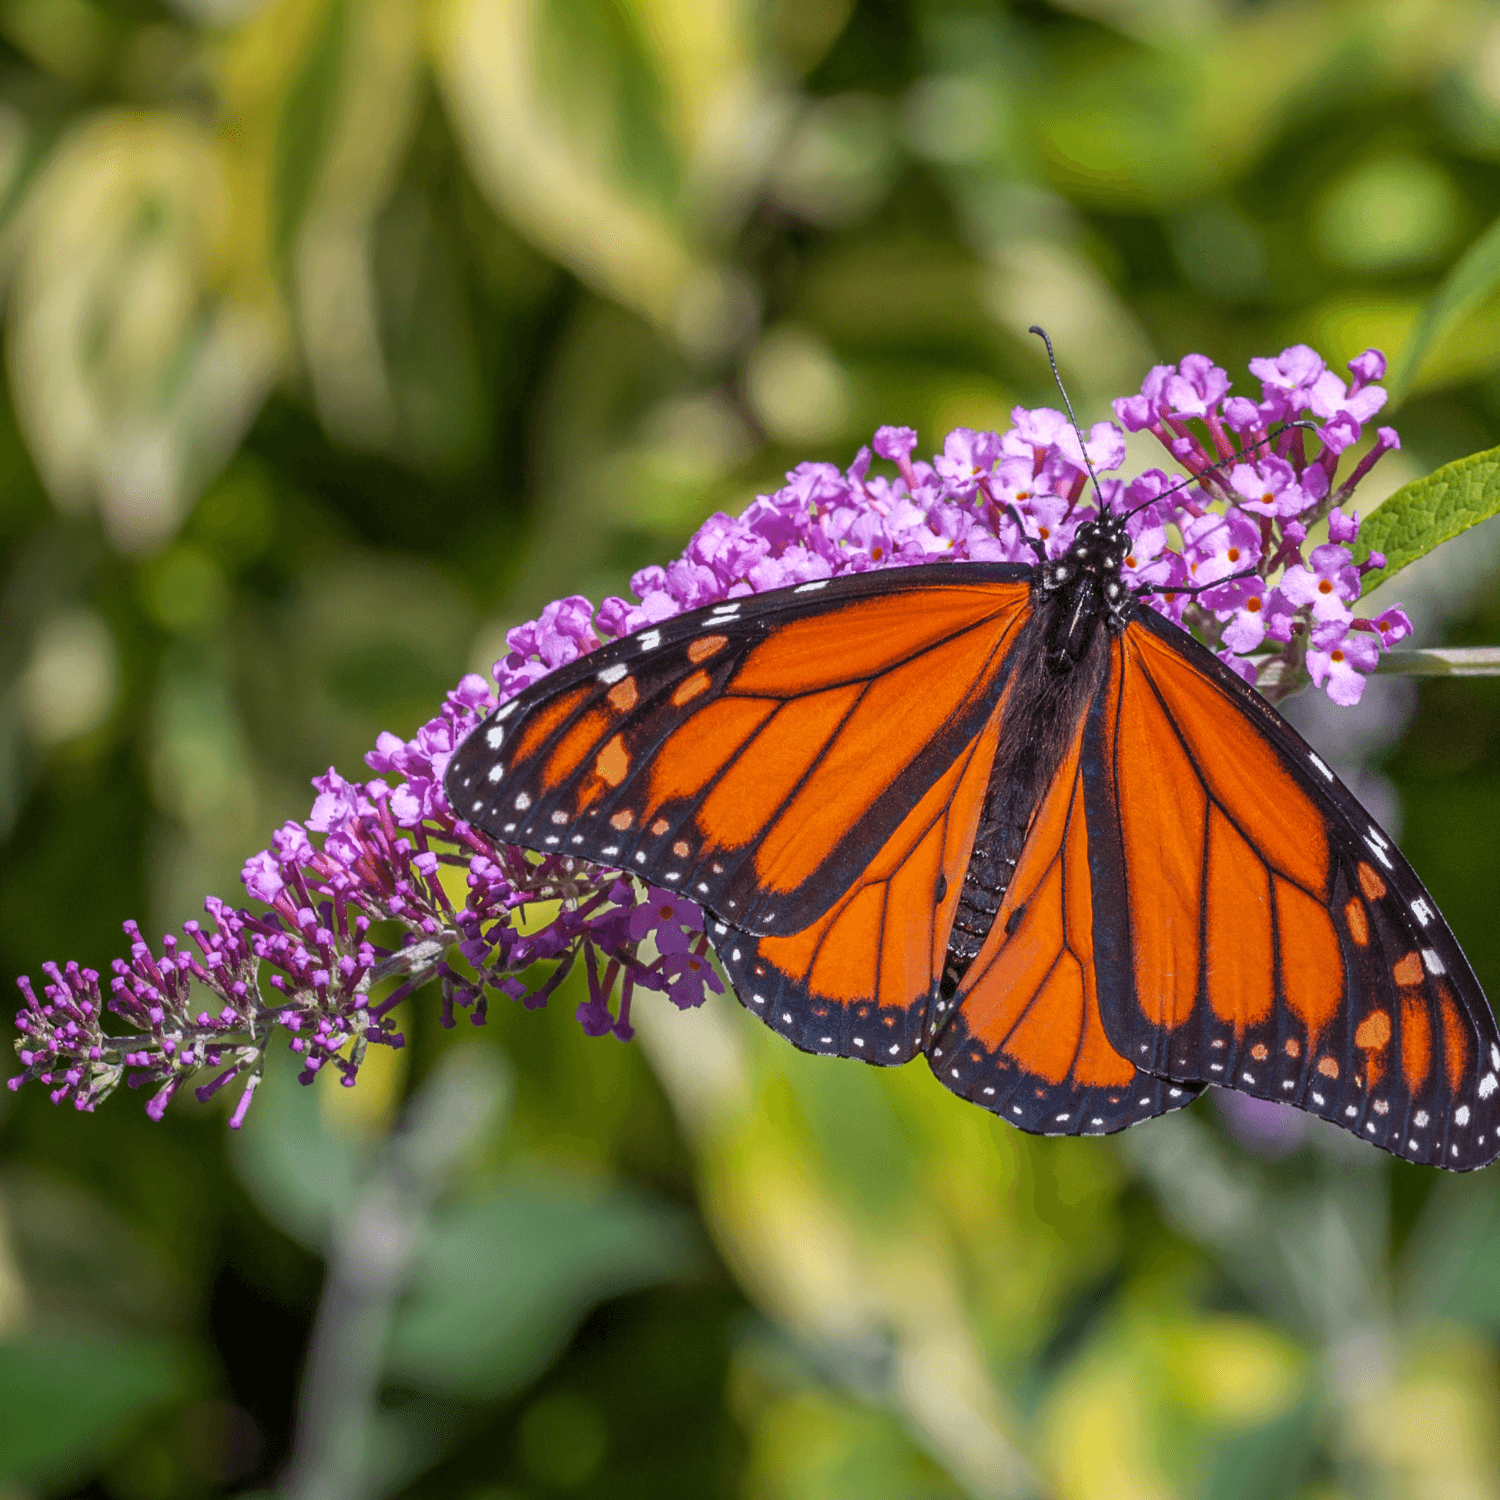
column 1427, row 512
column 65, row 1398
column 1469, row 283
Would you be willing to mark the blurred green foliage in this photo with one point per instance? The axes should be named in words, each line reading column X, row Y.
column 340, row 335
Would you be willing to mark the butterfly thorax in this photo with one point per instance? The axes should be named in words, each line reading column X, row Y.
column 1081, row 590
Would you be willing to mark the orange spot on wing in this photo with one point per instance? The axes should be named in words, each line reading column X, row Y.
column 1010, row 970
column 1328, row 1067
column 1293, row 1047
column 622, row 820
column 624, row 695
column 1416, row 1040
column 847, row 964
column 1045, row 1039
column 660, row 826
column 690, row 688
column 706, row 646
column 1031, row 990
column 912, row 950
column 1357, row 920
column 680, row 848
column 573, row 748
column 1408, row 970
column 1260, row 1052
column 1374, row 1032
column 1163, row 855
column 1098, row 1065
column 1455, row 1039
column 1312, row 965
column 881, row 942
column 1241, row 960
column 612, row 762
column 1370, row 882
column 543, row 720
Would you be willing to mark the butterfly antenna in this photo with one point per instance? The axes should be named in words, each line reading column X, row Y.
column 1041, row 333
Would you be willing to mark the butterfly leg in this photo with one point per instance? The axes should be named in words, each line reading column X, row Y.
column 1196, row 588
column 1035, row 543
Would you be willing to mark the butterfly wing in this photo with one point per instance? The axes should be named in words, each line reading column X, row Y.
column 1258, row 930
column 809, row 765
column 1023, row 1035
column 860, row 981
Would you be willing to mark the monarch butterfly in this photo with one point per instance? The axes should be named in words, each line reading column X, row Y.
column 1011, row 818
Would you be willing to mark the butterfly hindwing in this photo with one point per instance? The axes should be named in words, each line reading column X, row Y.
column 1022, row 1035
column 1261, row 931
column 860, row 981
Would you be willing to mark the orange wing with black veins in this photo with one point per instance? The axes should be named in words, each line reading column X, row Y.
column 1261, row 931
column 861, row 981
column 1023, row 1035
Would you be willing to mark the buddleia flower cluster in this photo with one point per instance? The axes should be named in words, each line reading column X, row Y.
column 316, row 961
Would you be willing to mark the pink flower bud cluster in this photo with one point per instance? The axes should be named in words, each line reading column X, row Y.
column 476, row 916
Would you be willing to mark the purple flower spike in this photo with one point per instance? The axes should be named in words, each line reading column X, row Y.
column 202, row 1011
column 967, row 457
column 1342, row 528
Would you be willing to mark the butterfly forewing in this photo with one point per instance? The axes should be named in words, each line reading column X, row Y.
column 756, row 755
column 1262, row 932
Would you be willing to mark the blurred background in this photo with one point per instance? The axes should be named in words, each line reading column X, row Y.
column 341, row 335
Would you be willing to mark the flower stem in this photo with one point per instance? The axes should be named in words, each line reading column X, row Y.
column 370, row 1256
column 1445, row 661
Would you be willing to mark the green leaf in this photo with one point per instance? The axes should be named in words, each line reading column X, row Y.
column 1268, row 1461
column 1471, row 280
column 507, row 1277
column 302, row 1178
column 1427, row 512
column 307, row 121
column 66, row 1398
column 1448, row 1266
